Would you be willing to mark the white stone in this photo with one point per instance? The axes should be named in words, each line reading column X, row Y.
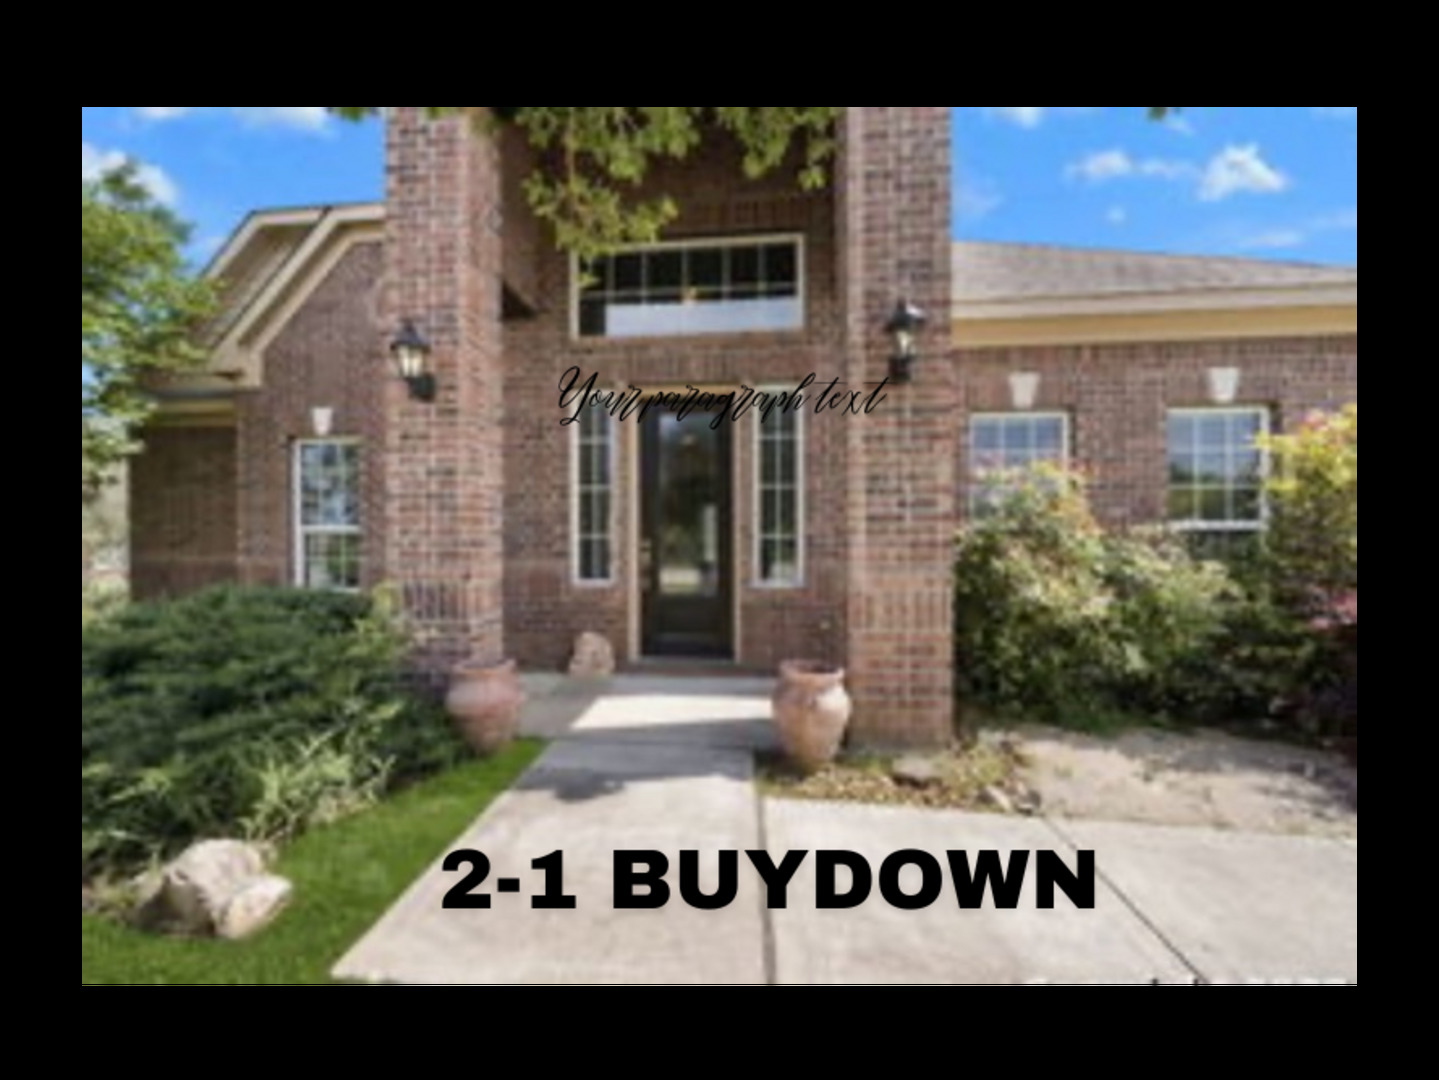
column 216, row 888
column 254, row 907
column 594, row 657
column 322, row 422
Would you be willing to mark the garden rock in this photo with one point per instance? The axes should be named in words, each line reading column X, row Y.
column 999, row 800
column 594, row 657
column 218, row 888
column 254, row 908
column 917, row 772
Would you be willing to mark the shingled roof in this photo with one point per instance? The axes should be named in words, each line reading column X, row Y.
column 997, row 273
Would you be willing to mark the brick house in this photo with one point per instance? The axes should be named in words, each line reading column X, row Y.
column 300, row 457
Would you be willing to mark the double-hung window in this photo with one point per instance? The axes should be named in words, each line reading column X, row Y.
column 1217, row 470
column 592, row 509
column 779, row 468
column 1004, row 445
column 693, row 287
column 328, row 533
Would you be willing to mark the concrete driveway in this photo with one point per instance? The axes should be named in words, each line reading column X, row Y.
column 667, row 765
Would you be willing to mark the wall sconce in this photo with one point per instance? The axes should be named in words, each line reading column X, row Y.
column 412, row 357
column 904, row 326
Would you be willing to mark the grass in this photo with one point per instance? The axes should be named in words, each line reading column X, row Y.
column 346, row 876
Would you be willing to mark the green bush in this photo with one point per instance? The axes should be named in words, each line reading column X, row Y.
column 100, row 600
column 1314, row 539
column 1058, row 619
column 254, row 711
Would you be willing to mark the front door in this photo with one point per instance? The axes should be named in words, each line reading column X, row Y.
column 686, row 553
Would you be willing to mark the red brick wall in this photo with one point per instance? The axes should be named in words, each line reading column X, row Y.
column 895, row 216
column 182, row 511
column 332, row 354
column 544, row 610
column 1118, row 396
column 444, row 460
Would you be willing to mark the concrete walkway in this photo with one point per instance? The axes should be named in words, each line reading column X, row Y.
column 667, row 765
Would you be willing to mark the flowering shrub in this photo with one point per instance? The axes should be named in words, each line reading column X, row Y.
column 1314, row 557
column 1056, row 618
column 1314, row 537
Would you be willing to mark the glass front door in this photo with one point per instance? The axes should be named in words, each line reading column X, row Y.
column 686, row 543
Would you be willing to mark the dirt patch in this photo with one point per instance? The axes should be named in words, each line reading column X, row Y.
column 986, row 777
column 1206, row 778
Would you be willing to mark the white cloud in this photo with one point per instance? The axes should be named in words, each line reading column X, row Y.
column 1291, row 236
column 311, row 118
column 1275, row 238
column 298, row 117
column 1337, row 112
column 1104, row 165
column 95, row 162
column 1237, row 169
column 1025, row 116
column 1179, row 125
column 1117, row 215
column 1117, row 164
column 976, row 197
column 163, row 112
column 1233, row 170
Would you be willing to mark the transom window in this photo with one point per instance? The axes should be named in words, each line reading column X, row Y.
column 327, row 514
column 780, row 493
column 1216, row 471
column 594, row 497
column 711, row 287
column 1002, row 445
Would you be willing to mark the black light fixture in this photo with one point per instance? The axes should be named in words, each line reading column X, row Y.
column 904, row 326
column 412, row 357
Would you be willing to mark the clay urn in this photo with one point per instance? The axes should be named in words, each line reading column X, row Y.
column 485, row 700
column 812, row 711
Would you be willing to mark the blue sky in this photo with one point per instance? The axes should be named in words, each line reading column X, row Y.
column 1263, row 182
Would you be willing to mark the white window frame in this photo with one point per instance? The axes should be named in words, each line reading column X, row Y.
column 691, row 244
column 303, row 531
column 1266, row 459
column 1066, row 451
column 577, row 489
column 800, row 489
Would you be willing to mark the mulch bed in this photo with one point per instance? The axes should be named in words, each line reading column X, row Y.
column 986, row 776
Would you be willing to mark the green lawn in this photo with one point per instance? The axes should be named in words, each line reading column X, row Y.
column 345, row 877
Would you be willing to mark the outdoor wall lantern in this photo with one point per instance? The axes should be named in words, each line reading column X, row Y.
column 412, row 357
column 904, row 326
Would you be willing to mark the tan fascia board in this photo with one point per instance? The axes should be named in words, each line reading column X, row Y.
column 251, row 227
column 282, row 296
column 1157, row 326
column 194, row 412
column 1141, row 303
column 344, row 239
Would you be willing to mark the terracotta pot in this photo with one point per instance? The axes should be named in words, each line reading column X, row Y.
column 485, row 702
column 812, row 710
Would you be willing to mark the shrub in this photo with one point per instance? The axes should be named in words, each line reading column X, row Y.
column 1314, row 538
column 1056, row 618
column 100, row 600
column 242, row 710
column 1314, row 558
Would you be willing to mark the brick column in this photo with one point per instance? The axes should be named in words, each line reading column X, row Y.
column 893, row 202
column 444, row 470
